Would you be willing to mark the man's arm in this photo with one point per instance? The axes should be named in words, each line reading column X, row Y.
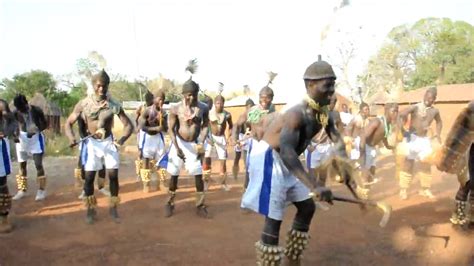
column 336, row 137
column 70, row 121
column 165, row 122
column 405, row 112
column 237, row 128
column 230, row 127
column 205, row 125
column 127, row 127
column 11, row 129
column 138, row 113
column 368, row 131
column 337, row 121
column 143, row 125
column 289, row 139
column 42, row 123
column 172, row 124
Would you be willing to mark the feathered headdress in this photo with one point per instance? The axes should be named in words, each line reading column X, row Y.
column 220, row 89
column 271, row 77
column 190, row 85
column 192, row 67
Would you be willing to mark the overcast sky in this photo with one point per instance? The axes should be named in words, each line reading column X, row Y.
column 235, row 42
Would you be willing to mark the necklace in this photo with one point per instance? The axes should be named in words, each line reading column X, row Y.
column 256, row 114
column 321, row 112
column 387, row 127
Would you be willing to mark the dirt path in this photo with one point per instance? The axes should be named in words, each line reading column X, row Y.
column 54, row 232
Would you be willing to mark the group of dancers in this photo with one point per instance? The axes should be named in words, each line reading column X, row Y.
column 335, row 143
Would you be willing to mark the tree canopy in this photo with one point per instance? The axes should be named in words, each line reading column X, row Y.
column 430, row 51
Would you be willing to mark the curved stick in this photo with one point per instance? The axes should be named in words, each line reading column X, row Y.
column 386, row 208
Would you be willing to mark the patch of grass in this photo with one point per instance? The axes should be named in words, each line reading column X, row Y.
column 58, row 145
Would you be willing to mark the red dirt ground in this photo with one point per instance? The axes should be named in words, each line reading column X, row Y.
column 54, row 232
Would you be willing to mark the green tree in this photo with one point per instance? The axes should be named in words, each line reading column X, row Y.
column 124, row 90
column 431, row 51
column 43, row 82
column 67, row 100
column 28, row 84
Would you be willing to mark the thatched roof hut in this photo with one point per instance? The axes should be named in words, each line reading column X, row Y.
column 51, row 111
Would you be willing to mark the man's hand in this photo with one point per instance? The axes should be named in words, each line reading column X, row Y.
column 100, row 133
column 2, row 135
column 72, row 143
column 322, row 194
column 121, row 141
column 16, row 139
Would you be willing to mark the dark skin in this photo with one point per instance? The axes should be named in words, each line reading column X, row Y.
column 104, row 122
column 373, row 135
column 153, row 121
column 322, row 174
column 8, row 126
column 257, row 129
column 82, row 127
column 336, row 117
column 39, row 124
column 290, row 133
column 188, row 120
column 354, row 130
column 220, row 129
column 148, row 101
column 188, row 130
column 139, row 111
column 239, row 154
column 419, row 125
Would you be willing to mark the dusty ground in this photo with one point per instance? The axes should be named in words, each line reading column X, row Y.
column 54, row 232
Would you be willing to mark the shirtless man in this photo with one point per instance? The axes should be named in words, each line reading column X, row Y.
column 153, row 122
column 355, row 129
column 320, row 149
column 378, row 130
column 188, row 128
column 277, row 176
column 346, row 116
column 244, row 134
column 79, row 172
column 417, row 145
column 31, row 122
column 8, row 128
column 140, row 110
column 457, row 157
column 219, row 120
column 98, row 111
column 253, row 117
